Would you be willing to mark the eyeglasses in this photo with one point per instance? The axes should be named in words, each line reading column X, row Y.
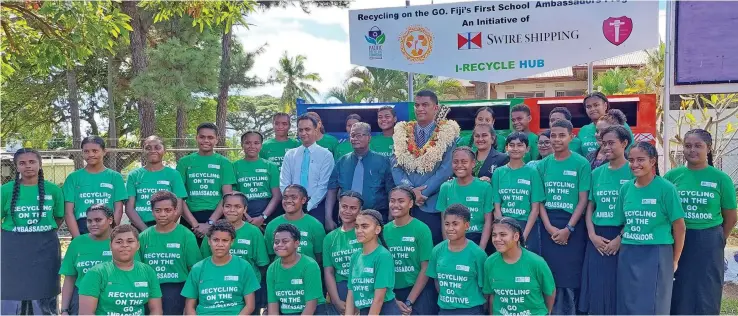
column 545, row 142
column 357, row 135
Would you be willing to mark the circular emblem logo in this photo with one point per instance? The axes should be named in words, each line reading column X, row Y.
column 416, row 43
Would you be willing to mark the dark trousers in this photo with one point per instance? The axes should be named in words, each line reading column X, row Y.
column 319, row 212
column 172, row 301
column 388, row 308
column 476, row 310
column 426, row 303
column 45, row 306
column 433, row 220
column 200, row 217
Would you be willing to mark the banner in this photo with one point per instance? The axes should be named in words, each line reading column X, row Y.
column 500, row 41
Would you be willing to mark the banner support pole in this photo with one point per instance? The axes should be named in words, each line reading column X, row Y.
column 410, row 75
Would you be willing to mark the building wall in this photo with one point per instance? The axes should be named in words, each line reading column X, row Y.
column 547, row 88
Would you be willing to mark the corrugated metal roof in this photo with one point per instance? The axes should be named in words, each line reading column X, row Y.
column 563, row 72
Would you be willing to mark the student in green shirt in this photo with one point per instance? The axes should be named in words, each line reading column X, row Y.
column 145, row 181
column 207, row 175
column 518, row 191
column 93, row 184
column 457, row 265
column 411, row 243
column 338, row 247
column 124, row 285
column 171, row 249
column 32, row 209
column 652, row 239
column 613, row 117
column 344, row 147
column 85, row 252
column 520, row 118
column 312, row 232
column 487, row 158
column 372, row 270
column 258, row 179
column 471, row 192
column 324, row 140
column 248, row 243
column 484, row 116
column 599, row 273
column 566, row 180
column 221, row 284
column 596, row 105
column 561, row 113
column 517, row 280
column 293, row 279
column 275, row 148
column 544, row 147
column 384, row 144
column 708, row 198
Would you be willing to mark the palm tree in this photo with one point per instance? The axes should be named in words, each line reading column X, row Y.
column 292, row 74
column 445, row 88
column 377, row 84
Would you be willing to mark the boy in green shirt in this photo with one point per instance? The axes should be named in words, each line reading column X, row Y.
column 384, row 144
column 171, row 249
column 311, row 230
column 207, row 176
column 520, row 117
column 275, row 148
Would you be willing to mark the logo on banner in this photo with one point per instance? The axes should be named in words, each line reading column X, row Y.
column 469, row 40
column 375, row 38
column 617, row 30
column 416, row 43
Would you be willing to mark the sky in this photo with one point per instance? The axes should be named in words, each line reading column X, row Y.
column 321, row 36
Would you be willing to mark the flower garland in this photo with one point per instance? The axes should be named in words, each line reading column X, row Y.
column 424, row 159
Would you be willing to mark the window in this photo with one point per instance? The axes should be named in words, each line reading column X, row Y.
column 570, row 93
column 534, row 94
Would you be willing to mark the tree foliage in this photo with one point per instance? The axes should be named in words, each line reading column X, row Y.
column 253, row 113
column 297, row 81
column 369, row 84
column 615, row 81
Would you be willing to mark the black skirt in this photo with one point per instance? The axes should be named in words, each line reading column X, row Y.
column 28, row 256
column 599, row 277
column 645, row 279
column 533, row 242
column 565, row 261
column 700, row 270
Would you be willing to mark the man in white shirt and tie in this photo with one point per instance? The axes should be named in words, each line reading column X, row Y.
column 309, row 166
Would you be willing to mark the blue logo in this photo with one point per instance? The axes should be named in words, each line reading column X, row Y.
column 375, row 36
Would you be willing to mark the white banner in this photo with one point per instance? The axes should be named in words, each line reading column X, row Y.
column 493, row 41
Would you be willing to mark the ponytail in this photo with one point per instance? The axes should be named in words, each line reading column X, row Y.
column 709, row 158
column 14, row 197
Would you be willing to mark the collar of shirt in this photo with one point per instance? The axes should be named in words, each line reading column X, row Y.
column 311, row 147
column 357, row 156
column 427, row 129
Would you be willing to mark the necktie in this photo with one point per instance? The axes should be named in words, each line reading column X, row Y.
column 305, row 169
column 358, row 183
column 421, row 137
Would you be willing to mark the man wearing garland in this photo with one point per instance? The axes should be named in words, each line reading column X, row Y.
column 422, row 158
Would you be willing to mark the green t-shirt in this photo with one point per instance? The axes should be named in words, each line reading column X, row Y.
column 370, row 272
column 249, row 245
column 25, row 217
column 460, row 275
column 648, row 212
column 606, row 184
column 312, row 234
column 338, row 247
column 410, row 245
column 589, row 141
column 293, row 288
column 576, row 146
column 274, row 150
column 142, row 184
column 518, row 288
column 219, row 290
column 383, row 145
column 516, row 190
column 256, row 179
column 86, row 189
column 171, row 254
column 204, row 178
column 328, row 142
column 120, row 292
column 83, row 254
column 477, row 196
column 532, row 153
column 343, row 148
column 704, row 194
column 564, row 180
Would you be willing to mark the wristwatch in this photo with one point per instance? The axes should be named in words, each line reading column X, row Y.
column 64, row 310
column 211, row 222
column 570, row 228
column 408, row 303
column 264, row 216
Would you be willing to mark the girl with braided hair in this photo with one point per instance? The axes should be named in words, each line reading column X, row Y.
column 32, row 209
column 596, row 105
column 709, row 203
column 613, row 117
column 372, row 274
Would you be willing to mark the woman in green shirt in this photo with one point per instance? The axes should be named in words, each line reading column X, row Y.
column 457, row 265
column 339, row 246
column 518, row 191
column 169, row 248
column 544, row 147
column 344, row 147
column 471, row 192
column 613, row 117
column 258, row 179
column 566, row 179
column 372, row 275
column 324, row 140
column 123, row 286
column 93, row 184
column 145, row 181
column 599, row 273
column 709, row 203
column 312, row 231
column 32, row 209
column 652, row 239
column 222, row 284
column 293, row 279
column 483, row 116
column 411, row 243
column 85, row 252
column 517, row 280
